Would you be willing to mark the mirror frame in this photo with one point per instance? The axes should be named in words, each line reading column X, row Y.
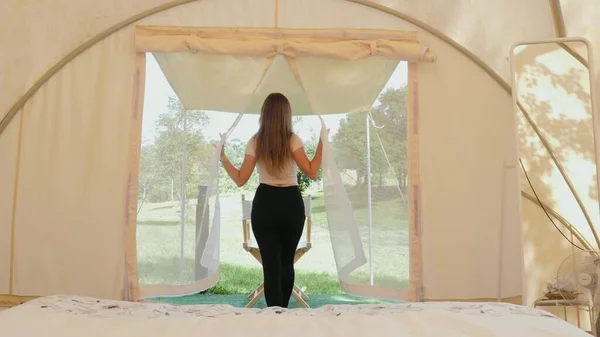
column 593, row 104
column 593, row 99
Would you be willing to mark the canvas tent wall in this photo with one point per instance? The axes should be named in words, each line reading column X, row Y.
column 64, row 175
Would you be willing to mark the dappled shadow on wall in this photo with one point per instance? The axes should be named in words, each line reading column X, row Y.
column 553, row 88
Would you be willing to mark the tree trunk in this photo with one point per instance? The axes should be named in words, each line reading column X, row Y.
column 402, row 179
column 172, row 189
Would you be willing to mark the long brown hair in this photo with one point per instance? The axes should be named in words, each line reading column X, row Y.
column 275, row 134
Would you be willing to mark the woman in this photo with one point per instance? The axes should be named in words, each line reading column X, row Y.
column 277, row 209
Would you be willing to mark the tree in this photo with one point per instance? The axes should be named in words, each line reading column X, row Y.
column 235, row 150
column 161, row 161
column 148, row 172
column 350, row 144
column 310, row 146
column 350, row 147
column 392, row 113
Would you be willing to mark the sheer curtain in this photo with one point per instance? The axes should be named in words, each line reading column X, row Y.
column 229, row 71
column 367, row 221
column 197, row 252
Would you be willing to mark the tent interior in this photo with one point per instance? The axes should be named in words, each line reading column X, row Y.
column 459, row 142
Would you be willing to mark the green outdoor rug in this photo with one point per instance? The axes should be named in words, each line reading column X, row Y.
column 314, row 301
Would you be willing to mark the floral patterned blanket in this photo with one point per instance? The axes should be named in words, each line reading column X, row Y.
column 75, row 305
column 65, row 316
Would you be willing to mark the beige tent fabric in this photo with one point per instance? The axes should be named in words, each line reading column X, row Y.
column 35, row 48
column 486, row 28
column 461, row 168
column 559, row 101
column 204, row 81
column 54, row 28
column 326, row 79
column 86, row 215
column 8, row 152
column 462, row 198
column 429, row 77
column 292, row 14
column 172, row 47
column 580, row 23
column 581, row 16
column 71, row 194
column 464, row 139
column 267, row 43
column 554, row 88
column 50, row 30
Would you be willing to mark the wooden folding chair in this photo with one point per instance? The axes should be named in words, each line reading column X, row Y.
column 251, row 247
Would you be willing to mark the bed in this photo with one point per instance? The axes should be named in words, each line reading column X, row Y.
column 65, row 316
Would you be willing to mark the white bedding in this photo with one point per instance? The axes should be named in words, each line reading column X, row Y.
column 65, row 316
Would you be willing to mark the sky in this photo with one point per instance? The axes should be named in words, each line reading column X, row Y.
column 158, row 91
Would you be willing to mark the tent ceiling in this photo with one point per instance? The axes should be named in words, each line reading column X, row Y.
column 486, row 28
column 479, row 26
column 233, row 83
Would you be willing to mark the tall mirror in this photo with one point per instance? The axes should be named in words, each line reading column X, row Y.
column 557, row 163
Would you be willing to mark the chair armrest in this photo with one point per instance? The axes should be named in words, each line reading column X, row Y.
column 246, row 228
column 308, row 211
column 308, row 229
column 245, row 224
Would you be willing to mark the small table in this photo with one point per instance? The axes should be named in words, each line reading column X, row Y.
column 545, row 302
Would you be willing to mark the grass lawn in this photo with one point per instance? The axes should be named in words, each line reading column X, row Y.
column 159, row 242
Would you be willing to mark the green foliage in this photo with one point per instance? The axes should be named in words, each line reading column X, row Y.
column 350, row 144
column 237, row 279
column 235, row 150
column 162, row 160
column 221, row 289
column 393, row 113
column 304, row 182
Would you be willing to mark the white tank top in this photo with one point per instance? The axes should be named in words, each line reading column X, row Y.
column 288, row 178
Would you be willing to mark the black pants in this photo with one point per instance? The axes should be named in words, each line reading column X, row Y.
column 277, row 222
